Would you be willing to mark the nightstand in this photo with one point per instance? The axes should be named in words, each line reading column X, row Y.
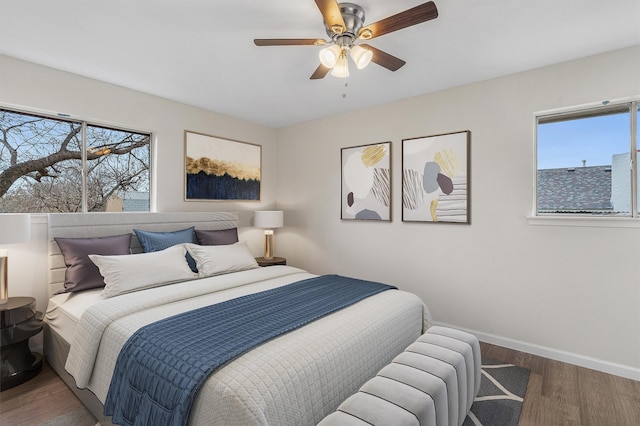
column 19, row 321
column 270, row 262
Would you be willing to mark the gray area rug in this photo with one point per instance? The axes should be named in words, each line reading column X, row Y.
column 499, row 400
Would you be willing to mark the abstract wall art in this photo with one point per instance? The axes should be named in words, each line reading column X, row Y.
column 366, row 182
column 221, row 169
column 435, row 178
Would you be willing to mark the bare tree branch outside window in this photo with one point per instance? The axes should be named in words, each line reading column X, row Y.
column 41, row 166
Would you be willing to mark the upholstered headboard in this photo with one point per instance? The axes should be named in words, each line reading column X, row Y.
column 74, row 225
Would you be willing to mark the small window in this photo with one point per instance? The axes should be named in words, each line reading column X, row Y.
column 585, row 162
column 53, row 165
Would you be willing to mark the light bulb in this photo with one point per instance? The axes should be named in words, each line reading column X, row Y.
column 361, row 56
column 329, row 55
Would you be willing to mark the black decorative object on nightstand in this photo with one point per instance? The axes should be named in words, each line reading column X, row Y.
column 270, row 262
column 19, row 321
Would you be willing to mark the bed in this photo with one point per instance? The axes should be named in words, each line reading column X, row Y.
column 297, row 378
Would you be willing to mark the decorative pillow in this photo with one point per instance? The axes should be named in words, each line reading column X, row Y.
column 217, row 238
column 124, row 274
column 82, row 273
column 217, row 260
column 156, row 241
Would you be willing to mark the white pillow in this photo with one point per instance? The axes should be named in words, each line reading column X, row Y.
column 127, row 273
column 217, row 260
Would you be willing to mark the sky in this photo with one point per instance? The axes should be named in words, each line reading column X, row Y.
column 596, row 139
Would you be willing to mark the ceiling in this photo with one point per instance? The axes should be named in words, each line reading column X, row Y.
column 201, row 52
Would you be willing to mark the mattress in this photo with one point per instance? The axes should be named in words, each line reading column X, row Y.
column 295, row 379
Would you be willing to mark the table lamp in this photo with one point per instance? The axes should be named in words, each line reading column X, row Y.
column 14, row 228
column 268, row 220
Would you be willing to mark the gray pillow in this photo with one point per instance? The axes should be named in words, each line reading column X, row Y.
column 82, row 273
column 217, row 238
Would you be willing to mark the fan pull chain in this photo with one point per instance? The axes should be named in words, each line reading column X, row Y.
column 346, row 86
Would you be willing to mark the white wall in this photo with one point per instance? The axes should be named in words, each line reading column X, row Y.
column 558, row 290
column 26, row 85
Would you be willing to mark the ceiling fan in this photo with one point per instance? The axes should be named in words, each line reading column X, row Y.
column 344, row 23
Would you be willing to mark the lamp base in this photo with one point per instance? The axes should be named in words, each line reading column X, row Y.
column 268, row 244
column 4, row 281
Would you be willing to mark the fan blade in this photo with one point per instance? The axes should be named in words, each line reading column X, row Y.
column 331, row 13
column 384, row 59
column 415, row 15
column 287, row 41
column 320, row 72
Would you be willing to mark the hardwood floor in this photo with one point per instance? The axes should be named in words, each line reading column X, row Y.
column 557, row 394
column 567, row 395
column 40, row 399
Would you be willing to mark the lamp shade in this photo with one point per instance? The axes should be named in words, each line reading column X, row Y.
column 361, row 56
column 329, row 55
column 268, row 219
column 14, row 228
column 342, row 68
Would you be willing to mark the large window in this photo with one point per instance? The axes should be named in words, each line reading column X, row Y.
column 51, row 165
column 587, row 161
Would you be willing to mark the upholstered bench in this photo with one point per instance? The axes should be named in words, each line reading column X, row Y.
column 433, row 382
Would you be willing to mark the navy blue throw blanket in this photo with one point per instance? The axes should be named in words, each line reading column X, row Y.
column 162, row 366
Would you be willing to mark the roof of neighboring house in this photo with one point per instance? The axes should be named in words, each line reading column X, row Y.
column 575, row 189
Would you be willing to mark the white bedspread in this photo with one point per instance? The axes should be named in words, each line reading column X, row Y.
column 295, row 379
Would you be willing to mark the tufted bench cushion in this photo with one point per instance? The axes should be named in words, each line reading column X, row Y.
column 433, row 382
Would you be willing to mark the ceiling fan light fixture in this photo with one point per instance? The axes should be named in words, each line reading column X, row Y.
column 341, row 69
column 344, row 24
column 329, row 55
column 361, row 56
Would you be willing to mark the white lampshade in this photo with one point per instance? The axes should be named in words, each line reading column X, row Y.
column 14, row 228
column 268, row 219
column 342, row 68
column 329, row 55
column 361, row 56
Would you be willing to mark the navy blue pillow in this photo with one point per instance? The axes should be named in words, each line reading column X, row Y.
column 156, row 241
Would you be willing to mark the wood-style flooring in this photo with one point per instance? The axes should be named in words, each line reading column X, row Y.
column 42, row 398
column 557, row 394
column 567, row 395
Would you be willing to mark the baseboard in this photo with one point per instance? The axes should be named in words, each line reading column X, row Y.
column 555, row 354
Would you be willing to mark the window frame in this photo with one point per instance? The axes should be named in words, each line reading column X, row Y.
column 84, row 122
column 582, row 219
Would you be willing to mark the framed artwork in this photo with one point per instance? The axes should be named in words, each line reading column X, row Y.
column 366, row 182
column 221, row 169
column 435, row 178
